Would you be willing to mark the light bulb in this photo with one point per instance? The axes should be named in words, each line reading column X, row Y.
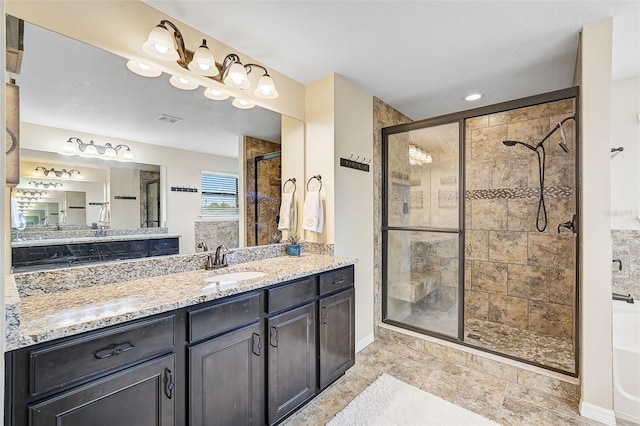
column 183, row 83
column 143, row 69
column 110, row 151
column 91, row 149
column 203, row 62
column 160, row 44
column 242, row 103
column 128, row 155
column 266, row 88
column 237, row 77
column 215, row 94
column 70, row 147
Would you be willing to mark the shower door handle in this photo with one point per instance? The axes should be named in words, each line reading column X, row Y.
column 569, row 225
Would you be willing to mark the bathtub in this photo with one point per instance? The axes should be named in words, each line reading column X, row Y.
column 626, row 360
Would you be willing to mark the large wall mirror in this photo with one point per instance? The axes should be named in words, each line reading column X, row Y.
column 69, row 89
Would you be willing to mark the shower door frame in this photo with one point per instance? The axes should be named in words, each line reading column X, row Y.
column 256, row 212
column 461, row 117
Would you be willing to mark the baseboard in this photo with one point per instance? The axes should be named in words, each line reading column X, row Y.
column 363, row 343
column 628, row 418
column 595, row 412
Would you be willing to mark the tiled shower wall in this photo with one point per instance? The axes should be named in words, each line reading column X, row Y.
column 515, row 275
column 269, row 190
column 626, row 247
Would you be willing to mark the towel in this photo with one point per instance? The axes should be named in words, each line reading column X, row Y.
column 288, row 217
column 18, row 220
column 313, row 217
column 105, row 214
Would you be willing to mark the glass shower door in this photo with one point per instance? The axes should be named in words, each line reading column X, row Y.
column 421, row 229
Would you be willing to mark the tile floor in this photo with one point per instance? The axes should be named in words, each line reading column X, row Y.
column 504, row 402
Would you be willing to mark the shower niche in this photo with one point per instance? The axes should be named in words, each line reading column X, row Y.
column 496, row 268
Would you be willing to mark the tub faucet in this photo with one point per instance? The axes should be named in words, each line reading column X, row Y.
column 623, row 297
column 619, row 262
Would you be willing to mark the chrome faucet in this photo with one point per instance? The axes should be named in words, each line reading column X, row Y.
column 623, row 297
column 205, row 249
column 220, row 259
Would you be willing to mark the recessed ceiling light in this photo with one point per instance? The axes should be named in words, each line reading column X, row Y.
column 473, row 97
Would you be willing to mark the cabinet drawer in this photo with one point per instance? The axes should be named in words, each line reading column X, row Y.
column 224, row 316
column 335, row 280
column 292, row 294
column 74, row 360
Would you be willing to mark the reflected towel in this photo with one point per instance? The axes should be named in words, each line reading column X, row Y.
column 105, row 214
column 313, row 217
column 18, row 220
column 288, row 217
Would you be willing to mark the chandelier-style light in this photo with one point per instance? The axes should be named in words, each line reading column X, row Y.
column 418, row 156
column 75, row 146
column 165, row 42
column 64, row 173
column 46, row 185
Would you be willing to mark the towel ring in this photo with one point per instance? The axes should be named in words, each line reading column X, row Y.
column 318, row 178
column 292, row 180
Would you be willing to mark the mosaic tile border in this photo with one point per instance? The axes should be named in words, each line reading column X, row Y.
column 509, row 193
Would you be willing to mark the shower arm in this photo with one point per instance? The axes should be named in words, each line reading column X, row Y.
column 552, row 131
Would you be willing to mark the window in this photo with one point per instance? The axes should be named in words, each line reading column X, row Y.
column 219, row 194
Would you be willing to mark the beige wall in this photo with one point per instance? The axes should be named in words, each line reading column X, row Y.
column 595, row 250
column 353, row 196
column 319, row 145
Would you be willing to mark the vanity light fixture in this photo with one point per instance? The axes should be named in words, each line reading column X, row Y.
column 64, row 173
column 165, row 42
column 215, row 94
column 75, row 146
column 418, row 156
column 46, row 185
column 29, row 193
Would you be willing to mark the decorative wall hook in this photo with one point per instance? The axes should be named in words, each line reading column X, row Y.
column 362, row 165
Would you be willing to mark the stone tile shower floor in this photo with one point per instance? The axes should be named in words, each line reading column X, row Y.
column 547, row 350
column 504, row 402
column 555, row 352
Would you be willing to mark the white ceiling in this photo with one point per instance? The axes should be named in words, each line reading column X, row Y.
column 422, row 57
column 71, row 85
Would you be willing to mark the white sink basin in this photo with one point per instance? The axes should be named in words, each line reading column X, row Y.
column 219, row 281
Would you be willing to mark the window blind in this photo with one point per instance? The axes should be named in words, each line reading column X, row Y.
column 219, row 195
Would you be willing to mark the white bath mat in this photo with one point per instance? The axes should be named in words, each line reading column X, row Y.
column 389, row 401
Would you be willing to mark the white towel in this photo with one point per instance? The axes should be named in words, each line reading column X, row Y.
column 105, row 214
column 288, row 217
column 18, row 220
column 313, row 217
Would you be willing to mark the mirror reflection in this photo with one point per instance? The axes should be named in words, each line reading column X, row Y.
column 176, row 137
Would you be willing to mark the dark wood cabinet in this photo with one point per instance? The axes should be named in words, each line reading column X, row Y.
column 226, row 379
column 336, row 336
column 143, row 395
column 291, row 360
column 247, row 359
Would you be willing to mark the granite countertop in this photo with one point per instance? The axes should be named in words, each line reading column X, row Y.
column 93, row 239
column 41, row 318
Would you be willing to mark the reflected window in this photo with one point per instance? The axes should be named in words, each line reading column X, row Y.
column 219, row 194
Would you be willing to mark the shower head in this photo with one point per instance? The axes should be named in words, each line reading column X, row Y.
column 563, row 143
column 514, row 143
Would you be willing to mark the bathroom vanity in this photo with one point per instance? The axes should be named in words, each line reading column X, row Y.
column 166, row 351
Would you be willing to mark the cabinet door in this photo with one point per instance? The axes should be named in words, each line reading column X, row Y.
column 337, row 335
column 143, row 396
column 226, row 379
column 291, row 360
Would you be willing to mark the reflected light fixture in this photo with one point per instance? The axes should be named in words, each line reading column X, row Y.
column 143, row 69
column 47, row 185
column 215, row 94
column 28, row 193
column 75, row 146
column 418, row 156
column 242, row 103
column 165, row 42
column 64, row 173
